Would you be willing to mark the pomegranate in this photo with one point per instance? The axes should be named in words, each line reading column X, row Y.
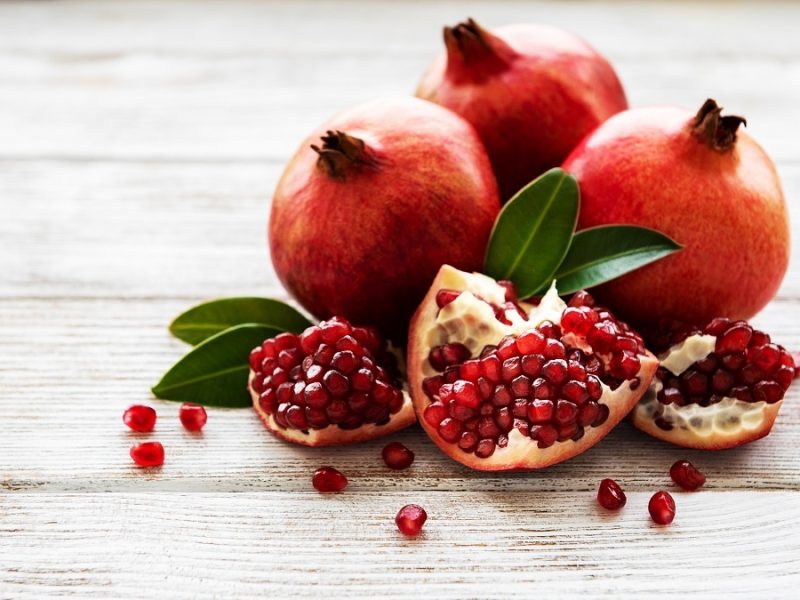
column 357, row 222
column 686, row 475
column 716, row 387
column 193, row 416
column 499, row 384
column 147, row 454
column 140, row 418
column 531, row 91
column 333, row 384
column 662, row 508
column 410, row 519
column 704, row 183
column 397, row 456
column 610, row 495
column 328, row 479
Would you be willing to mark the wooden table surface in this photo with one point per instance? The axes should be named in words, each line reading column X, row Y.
column 139, row 144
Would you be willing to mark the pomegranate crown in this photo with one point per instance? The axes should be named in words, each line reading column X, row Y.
column 473, row 52
column 714, row 130
column 341, row 152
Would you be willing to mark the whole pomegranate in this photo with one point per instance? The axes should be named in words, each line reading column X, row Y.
column 502, row 385
column 531, row 91
column 373, row 203
column 705, row 184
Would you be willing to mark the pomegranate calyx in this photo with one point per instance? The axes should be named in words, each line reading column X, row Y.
column 714, row 130
column 473, row 53
column 341, row 151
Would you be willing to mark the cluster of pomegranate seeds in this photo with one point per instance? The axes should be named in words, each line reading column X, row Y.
column 662, row 508
column 331, row 374
column 410, row 519
column 193, row 416
column 539, row 382
column 397, row 456
column 610, row 495
column 148, row 454
column 686, row 475
column 140, row 418
column 745, row 365
column 328, row 479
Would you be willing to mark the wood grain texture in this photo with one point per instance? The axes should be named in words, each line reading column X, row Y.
column 139, row 144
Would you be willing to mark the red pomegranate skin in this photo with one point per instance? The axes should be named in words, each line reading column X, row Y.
column 367, row 244
column 532, row 107
column 645, row 167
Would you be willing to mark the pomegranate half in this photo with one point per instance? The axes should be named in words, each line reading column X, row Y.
column 357, row 222
column 531, row 91
column 331, row 385
column 708, row 186
column 717, row 387
column 501, row 385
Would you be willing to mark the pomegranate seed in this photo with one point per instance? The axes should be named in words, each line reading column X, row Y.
column 140, row 418
column 445, row 297
column 610, row 495
column 328, row 479
column 148, row 454
column 735, row 339
column 531, row 342
column 686, row 475
column 581, row 298
column 410, row 519
column 662, row 508
column 193, row 416
column 397, row 456
column 510, row 288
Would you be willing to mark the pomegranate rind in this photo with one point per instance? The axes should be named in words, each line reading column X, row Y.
column 333, row 435
column 522, row 453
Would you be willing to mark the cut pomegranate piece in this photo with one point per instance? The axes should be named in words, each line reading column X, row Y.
column 140, row 418
column 528, row 387
column 328, row 479
column 397, row 456
column 716, row 387
column 686, row 475
column 662, row 508
column 410, row 519
column 333, row 384
column 148, row 454
column 610, row 495
column 193, row 416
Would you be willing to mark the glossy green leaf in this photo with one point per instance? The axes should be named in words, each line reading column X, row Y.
column 207, row 319
column 214, row 372
column 603, row 253
column 533, row 231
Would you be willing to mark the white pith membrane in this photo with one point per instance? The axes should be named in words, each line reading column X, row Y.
column 471, row 321
column 727, row 423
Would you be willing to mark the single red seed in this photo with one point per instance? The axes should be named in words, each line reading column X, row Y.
column 686, row 475
column 397, row 456
column 445, row 297
column 410, row 519
column 735, row 339
column 192, row 416
column 148, row 454
column 435, row 413
column 531, row 342
column 140, row 418
column 610, row 495
column 662, row 508
column 328, row 479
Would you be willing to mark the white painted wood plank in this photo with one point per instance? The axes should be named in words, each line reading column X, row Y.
column 475, row 545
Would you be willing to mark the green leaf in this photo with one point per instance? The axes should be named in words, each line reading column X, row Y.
column 209, row 318
column 215, row 371
column 603, row 253
column 533, row 231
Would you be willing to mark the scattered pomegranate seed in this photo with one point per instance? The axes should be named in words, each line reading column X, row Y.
column 140, row 418
column 686, row 475
column 410, row 519
column 796, row 358
column 193, row 416
column 328, row 479
column 148, row 454
column 662, row 508
column 397, row 456
column 610, row 495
